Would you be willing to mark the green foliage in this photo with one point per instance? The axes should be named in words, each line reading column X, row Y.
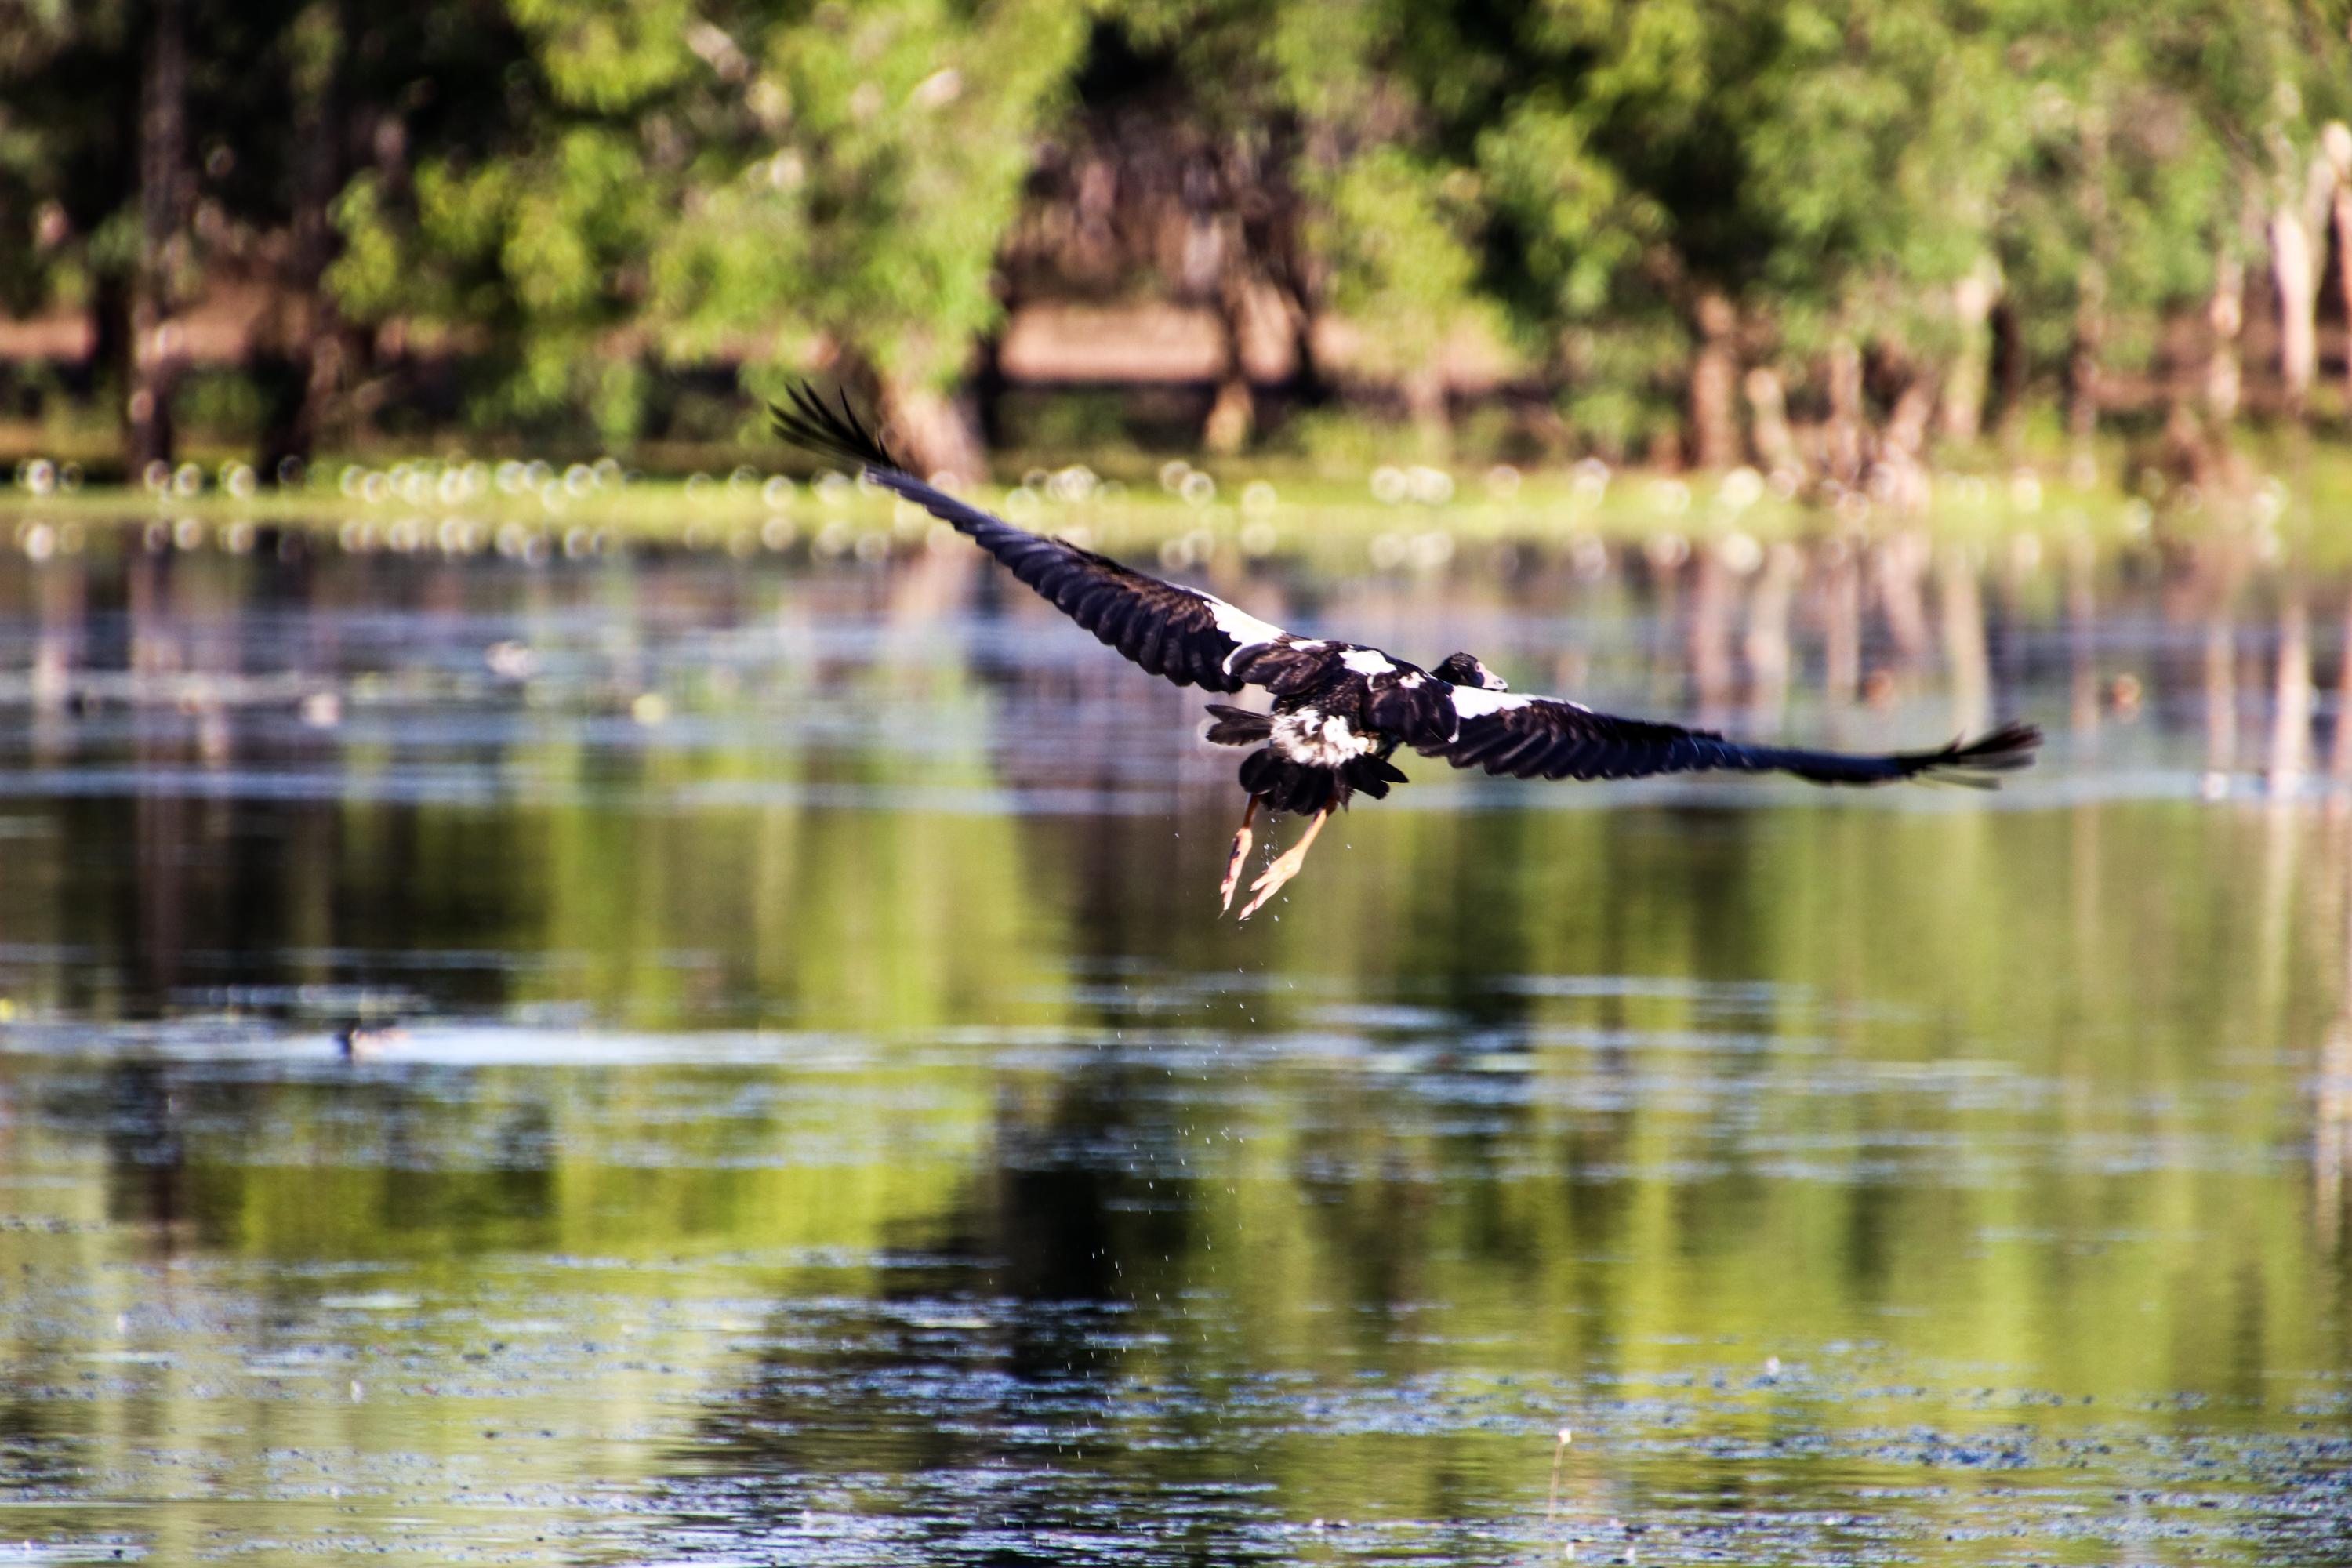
column 521, row 243
column 64, row 152
column 1396, row 239
column 608, row 56
column 857, row 169
column 575, row 201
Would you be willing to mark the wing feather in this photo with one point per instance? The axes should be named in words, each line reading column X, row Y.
column 1193, row 639
column 1544, row 737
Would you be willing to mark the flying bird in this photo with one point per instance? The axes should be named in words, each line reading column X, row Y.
column 1342, row 710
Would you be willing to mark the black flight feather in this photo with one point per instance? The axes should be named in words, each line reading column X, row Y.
column 1195, row 639
column 1540, row 737
column 1189, row 636
column 803, row 420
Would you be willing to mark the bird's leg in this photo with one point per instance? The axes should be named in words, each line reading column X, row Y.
column 1242, row 841
column 1271, row 879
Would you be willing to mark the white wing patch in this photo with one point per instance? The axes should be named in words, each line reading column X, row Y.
column 1239, row 625
column 1367, row 661
column 1246, row 630
column 1477, row 703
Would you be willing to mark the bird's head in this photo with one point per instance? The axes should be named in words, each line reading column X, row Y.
column 1463, row 670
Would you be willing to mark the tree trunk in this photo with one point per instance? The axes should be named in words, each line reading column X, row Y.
column 1233, row 415
column 309, row 351
column 1964, row 386
column 1309, row 385
column 2298, row 279
column 1428, row 402
column 2090, row 312
column 163, row 158
column 2342, row 216
column 1230, row 415
column 938, row 433
column 1902, row 477
column 1714, row 384
column 109, row 366
column 2226, row 318
column 1843, row 456
column 2298, row 244
column 1906, row 423
column 2009, row 373
column 2184, row 445
column 2083, row 375
column 2336, row 140
column 988, row 387
column 1768, row 407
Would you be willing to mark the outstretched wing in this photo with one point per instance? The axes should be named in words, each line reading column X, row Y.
column 1192, row 638
column 1546, row 738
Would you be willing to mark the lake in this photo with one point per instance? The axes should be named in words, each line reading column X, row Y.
column 828, row 1122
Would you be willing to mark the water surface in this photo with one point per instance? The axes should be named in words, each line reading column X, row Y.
column 830, row 1125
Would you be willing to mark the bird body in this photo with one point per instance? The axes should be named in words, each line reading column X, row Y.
column 1313, row 738
column 1341, row 710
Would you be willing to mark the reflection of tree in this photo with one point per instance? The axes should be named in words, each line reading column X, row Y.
column 998, row 1349
column 2290, row 756
column 777, row 875
column 1966, row 657
column 2082, row 636
column 145, row 1153
column 2331, row 1162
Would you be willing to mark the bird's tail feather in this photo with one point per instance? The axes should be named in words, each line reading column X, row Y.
column 1285, row 785
column 1371, row 775
column 1237, row 726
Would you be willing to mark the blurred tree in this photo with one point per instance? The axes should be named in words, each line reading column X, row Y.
column 1861, row 213
column 1611, row 148
column 1263, row 155
column 1881, row 133
column 846, row 176
column 2171, row 143
column 1680, row 186
column 519, row 160
column 163, row 224
column 156, row 152
column 2275, row 68
column 1173, row 171
column 69, row 113
column 1377, row 225
column 302, row 357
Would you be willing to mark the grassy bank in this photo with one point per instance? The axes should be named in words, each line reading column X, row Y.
column 1392, row 516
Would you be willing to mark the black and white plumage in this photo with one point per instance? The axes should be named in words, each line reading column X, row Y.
column 1341, row 710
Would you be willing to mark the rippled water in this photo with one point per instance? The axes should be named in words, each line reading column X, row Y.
column 829, row 1125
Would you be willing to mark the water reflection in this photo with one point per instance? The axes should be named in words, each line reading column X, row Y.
column 255, row 733
column 831, row 1126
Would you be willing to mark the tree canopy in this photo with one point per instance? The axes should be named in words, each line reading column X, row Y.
column 1684, row 227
